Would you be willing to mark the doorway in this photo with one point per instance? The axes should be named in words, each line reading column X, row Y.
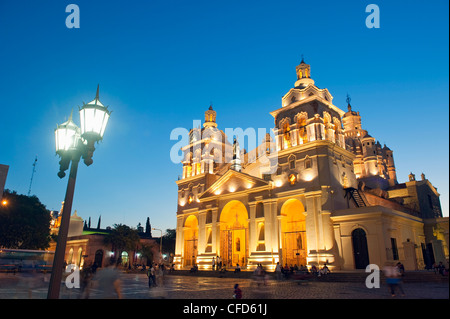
column 293, row 233
column 360, row 250
column 234, row 234
column 190, row 241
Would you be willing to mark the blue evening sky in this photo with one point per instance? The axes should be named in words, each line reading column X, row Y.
column 160, row 63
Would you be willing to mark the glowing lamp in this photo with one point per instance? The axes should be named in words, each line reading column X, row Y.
column 67, row 137
column 94, row 117
column 292, row 179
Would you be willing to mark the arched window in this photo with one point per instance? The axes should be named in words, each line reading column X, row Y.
column 301, row 124
column 286, row 135
column 70, row 259
column 292, row 162
column 259, row 210
column 124, row 257
column 79, row 256
column 308, row 162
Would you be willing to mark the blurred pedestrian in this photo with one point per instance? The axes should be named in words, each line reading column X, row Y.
column 237, row 292
column 401, row 269
column 441, row 268
column 86, row 276
column 393, row 278
column 278, row 271
column 151, row 274
column 108, row 281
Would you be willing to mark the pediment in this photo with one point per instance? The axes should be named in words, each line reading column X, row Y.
column 233, row 182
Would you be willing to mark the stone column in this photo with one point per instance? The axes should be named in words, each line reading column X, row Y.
column 179, row 242
column 319, row 231
column 252, row 240
column 215, row 229
column 201, row 244
column 271, row 226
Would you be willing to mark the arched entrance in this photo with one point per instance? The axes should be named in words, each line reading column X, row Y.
column 360, row 251
column 124, row 258
column 190, row 241
column 293, row 233
column 234, row 234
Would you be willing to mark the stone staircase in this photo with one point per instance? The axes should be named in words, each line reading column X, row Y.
column 337, row 276
column 360, row 276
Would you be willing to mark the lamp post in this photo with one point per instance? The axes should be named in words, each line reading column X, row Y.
column 72, row 144
column 160, row 243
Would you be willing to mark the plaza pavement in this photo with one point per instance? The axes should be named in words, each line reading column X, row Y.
column 135, row 286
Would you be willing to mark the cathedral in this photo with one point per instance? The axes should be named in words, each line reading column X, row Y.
column 319, row 190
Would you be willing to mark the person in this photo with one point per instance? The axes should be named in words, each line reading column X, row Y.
column 151, row 273
column 237, row 269
column 219, row 262
column 161, row 270
column 401, row 269
column 194, row 269
column 237, row 292
column 441, row 268
column 213, row 264
column 108, row 281
column 94, row 267
column 86, row 276
column 314, row 269
column 393, row 278
column 435, row 268
column 325, row 270
column 278, row 271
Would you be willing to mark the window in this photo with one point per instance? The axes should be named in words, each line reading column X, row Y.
column 259, row 210
column 287, row 135
column 279, row 170
column 430, row 201
column 208, row 217
column 308, row 163
column 394, row 249
column 292, row 162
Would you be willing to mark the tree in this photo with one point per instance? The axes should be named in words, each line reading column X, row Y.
column 169, row 241
column 148, row 227
column 148, row 252
column 24, row 222
column 122, row 237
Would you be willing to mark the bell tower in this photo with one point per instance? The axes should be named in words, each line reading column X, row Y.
column 303, row 75
column 210, row 118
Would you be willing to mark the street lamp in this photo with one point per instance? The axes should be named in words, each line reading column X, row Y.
column 160, row 243
column 72, row 143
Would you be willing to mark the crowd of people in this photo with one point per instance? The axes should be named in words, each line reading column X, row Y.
column 440, row 269
column 287, row 271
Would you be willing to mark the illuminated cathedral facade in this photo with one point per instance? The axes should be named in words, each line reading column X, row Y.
column 319, row 190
